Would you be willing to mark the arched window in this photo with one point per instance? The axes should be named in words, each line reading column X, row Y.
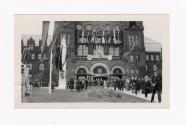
column 147, row 57
column 152, row 57
column 41, row 66
column 81, row 71
column 117, row 71
column 157, row 58
column 99, row 70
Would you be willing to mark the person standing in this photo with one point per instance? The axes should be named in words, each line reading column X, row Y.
column 104, row 83
column 136, row 85
column 78, row 85
column 122, row 84
column 132, row 84
column 71, row 84
column 86, row 84
column 119, row 84
column 147, row 86
column 52, row 86
column 115, row 84
column 75, row 84
column 156, row 86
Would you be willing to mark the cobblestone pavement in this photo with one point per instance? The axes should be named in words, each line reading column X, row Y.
column 93, row 94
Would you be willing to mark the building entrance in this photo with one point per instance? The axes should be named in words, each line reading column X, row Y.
column 100, row 78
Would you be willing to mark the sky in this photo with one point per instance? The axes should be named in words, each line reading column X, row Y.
column 156, row 27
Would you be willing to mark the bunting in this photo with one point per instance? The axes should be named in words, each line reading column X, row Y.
column 58, row 58
column 45, row 29
column 26, row 55
column 57, row 25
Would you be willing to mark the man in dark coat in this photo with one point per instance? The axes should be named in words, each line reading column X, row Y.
column 78, row 85
column 132, row 84
column 157, row 86
column 71, row 84
column 146, row 86
column 86, row 84
column 115, row 84
column 122, row 84
column 136, row 85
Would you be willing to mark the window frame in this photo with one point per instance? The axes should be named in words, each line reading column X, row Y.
column 41, row 67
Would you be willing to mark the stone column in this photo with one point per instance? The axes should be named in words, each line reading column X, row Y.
column 62, row 75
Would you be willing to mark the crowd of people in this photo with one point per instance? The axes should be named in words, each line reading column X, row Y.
column 146, row 85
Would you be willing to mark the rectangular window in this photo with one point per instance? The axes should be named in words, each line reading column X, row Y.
column 33, row 56
column 80, row 50
column 157, row 57
column 111, row 51
column 39, row 56
column 85, row 50
column 41, row 67
column 116, row 51
column 44, row 57
column 152, row 57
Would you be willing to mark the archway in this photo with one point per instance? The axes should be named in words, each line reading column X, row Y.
column 117, row 72
column 82, row 72
column 99, row 71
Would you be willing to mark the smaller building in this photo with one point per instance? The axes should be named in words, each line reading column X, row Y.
column 153, row 56
column 38, row 68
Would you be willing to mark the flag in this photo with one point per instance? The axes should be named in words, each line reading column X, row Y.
column 58, row 58
column 57, row 25
column 68, row 51
column 90, row 45
column 45, row 29
column 26, row 55
column 82, row 38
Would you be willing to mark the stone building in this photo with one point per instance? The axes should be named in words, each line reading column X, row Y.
column 99, row 50
column 153, row 56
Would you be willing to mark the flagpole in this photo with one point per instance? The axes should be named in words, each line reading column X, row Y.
column 50, row 79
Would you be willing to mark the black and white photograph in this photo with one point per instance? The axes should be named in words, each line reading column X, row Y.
column 98, row 61
column 92, row 62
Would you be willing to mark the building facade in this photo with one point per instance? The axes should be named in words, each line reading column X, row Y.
column 99, row 50
column 153, row 56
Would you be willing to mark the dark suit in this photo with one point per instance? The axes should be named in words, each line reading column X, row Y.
column 86, row 84
column 147, row 87
column 157, row 87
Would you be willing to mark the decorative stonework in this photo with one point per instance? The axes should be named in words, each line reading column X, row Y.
column 100, row 64
column 113, row 68
column 84, row 67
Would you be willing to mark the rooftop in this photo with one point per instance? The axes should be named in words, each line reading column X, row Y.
column 152, row 45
